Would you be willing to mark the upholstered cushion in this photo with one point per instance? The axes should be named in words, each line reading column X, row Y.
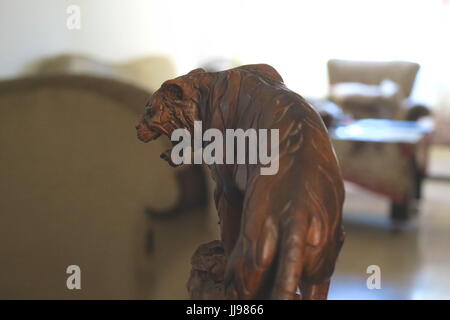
column 364, row 93
column 368, row 101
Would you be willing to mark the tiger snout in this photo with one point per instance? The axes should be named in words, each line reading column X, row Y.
column 144, row 133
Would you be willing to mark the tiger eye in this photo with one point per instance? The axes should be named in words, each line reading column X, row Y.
column 149, row 112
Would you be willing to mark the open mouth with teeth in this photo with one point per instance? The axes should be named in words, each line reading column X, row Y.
column 166, row 155
column 147, row 133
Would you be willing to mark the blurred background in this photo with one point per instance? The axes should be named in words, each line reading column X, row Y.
column 77, row 188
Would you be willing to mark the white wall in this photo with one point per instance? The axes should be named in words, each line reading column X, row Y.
column 118, row 30
column 296, row 37
column 30, row 30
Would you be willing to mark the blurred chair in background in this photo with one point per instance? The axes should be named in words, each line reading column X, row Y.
column 73, row 188
column 75, row 183
column 387, row 154
column 375, row 89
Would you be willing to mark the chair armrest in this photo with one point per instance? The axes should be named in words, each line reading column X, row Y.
column 414, row 111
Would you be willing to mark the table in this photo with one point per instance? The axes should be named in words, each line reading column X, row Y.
column 388, row 157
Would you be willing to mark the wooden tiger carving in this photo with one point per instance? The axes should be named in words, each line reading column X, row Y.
column 280, row 232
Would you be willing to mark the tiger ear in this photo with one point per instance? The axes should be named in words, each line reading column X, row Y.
column 198, row 70
column 173, row 91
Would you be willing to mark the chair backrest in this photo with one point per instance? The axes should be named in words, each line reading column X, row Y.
column 146, row 72
column 373, row 72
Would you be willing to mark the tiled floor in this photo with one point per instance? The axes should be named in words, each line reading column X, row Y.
column 415, row 262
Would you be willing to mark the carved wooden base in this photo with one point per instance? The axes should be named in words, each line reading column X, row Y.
column 208, row 268
column 207, row 273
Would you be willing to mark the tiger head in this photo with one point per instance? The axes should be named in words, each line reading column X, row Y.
column 173, row 106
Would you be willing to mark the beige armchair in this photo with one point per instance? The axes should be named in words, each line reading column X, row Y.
column 375, row 89
column 77, row 186
column 380, row 90
column 75, row 183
